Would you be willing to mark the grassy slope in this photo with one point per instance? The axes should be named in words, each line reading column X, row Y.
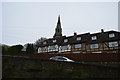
column 36, row 68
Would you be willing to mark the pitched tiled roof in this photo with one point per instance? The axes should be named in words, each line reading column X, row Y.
column 85, row 38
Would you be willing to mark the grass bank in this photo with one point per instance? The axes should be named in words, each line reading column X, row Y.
column 13, row 67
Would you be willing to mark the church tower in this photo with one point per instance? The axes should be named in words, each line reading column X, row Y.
column 58, row 29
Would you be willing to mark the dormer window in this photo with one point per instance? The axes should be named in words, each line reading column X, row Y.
column 111, row 35
column 94, row 37
column 78, row 38
column 54, row 41
column 65, row 40
column 45, row 42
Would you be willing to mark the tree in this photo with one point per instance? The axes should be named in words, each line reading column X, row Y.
column 39, row 41
column 15, row 49
column 4, row 49
column 30, row 49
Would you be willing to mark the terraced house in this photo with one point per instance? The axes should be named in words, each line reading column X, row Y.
column 107, row 42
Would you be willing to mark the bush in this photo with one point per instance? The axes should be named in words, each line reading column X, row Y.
column 16, row 49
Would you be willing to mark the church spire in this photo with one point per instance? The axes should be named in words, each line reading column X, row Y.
column 58, row 29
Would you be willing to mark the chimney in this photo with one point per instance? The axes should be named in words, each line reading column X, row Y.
column 75, row 33
column 102, row 30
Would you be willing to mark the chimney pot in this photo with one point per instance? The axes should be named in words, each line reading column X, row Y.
column 102, row 30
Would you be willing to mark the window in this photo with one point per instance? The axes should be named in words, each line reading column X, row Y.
column 78, row 46
column 56, row 46
column 113, row 44
column 111, row 35
column 61, row 58
column 65, row 40
column 44, row 42
column 78, row 38
column 94, row 46
column 54, row 40
column 65, row 48
column 53, row 48
column 44, row 49
column 39, row 50
column 94, row 37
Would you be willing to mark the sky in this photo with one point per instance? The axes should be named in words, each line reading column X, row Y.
column 25, row 22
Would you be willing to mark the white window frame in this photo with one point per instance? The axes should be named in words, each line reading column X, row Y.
column 94, row 46
column 113, row 44
column 111, row 35
column 94, row 37
column 65, row 40
column 78, row 38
